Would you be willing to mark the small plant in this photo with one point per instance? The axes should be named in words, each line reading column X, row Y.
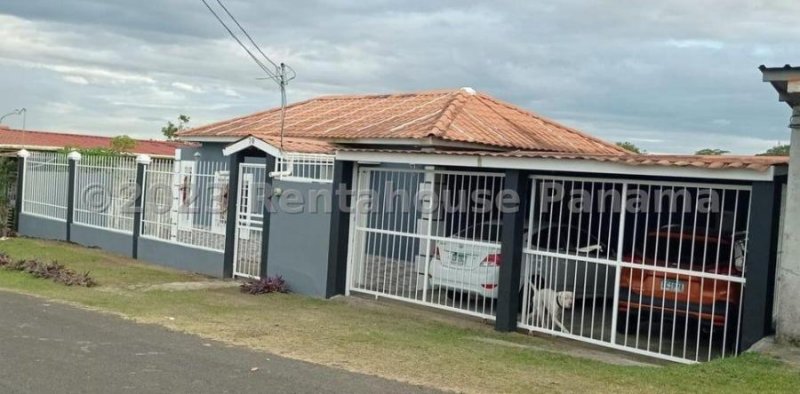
column 270, row 284
column 52, row 270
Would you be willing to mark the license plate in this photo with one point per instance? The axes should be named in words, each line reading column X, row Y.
column 675, row 286
column 458, row 258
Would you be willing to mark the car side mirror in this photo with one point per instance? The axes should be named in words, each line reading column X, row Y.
column 590, row 249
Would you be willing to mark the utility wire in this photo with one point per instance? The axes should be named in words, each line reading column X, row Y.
column 279, row 73
column 247, row 35
column 254, row 57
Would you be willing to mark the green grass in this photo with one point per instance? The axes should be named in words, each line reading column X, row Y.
column 389, row 340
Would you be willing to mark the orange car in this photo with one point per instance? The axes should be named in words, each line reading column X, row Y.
column 648, row 295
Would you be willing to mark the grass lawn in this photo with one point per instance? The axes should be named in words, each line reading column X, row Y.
column 389, row 340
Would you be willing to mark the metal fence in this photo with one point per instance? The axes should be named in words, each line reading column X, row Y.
column 105, row 190
column 45, row 185
column 419, row 238
column 185, row 202
column 649, row 267
column 306, row 167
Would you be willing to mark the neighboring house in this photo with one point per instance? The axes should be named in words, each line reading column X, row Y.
column 12, row 140
column 671, row 256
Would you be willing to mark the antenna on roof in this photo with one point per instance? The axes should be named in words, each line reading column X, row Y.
column 280, row 74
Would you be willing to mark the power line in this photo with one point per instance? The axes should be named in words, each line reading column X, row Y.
column 241, row 44
column 246, row 34
column 279, row 73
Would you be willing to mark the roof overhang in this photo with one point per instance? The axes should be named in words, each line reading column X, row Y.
column 251, row 142
column 560, row 165
column 786, row 81
column 421, row 142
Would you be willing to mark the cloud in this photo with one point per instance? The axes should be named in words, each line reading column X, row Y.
column 704, row 44
column 653, row 73
column 76, row 79
column 187, row 87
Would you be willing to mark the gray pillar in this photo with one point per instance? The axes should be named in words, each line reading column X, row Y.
column 788, row 319
column 512, row 239
column 22, row 157
column 340, row 228
column 762, row 256
column 267, row 210
column 73, row 157
column 230, row 219
column 142, row 161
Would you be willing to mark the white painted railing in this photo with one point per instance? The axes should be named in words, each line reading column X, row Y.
column 45, row 185
column 186, row 202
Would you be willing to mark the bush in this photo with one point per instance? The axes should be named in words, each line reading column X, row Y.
column 270, row 284
column 52, row 270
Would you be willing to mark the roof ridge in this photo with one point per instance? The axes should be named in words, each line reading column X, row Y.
column 554, row 123
column 450, row 112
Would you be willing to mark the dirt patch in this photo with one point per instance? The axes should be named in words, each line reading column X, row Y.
column 185, row 286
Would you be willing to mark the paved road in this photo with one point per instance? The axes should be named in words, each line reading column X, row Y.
column 48, row 347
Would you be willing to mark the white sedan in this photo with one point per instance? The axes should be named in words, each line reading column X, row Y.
column 469, row 262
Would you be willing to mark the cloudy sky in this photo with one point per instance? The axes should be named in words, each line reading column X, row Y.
column 670, row 76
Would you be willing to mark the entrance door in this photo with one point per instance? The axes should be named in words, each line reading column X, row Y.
column 249, row 221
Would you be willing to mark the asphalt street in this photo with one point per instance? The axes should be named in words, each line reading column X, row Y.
column 54, row 348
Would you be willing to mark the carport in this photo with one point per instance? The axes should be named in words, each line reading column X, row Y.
column 667, row 256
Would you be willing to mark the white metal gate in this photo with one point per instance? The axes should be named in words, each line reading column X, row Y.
column 249, row 220
column 428, row 237
column 649, row 267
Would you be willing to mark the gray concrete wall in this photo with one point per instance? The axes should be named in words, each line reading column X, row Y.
column 180, row 257
column 298, row 246
column 111, row 241
column 39, row 227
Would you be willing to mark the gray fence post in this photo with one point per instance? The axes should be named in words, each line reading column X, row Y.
column 142, row 161
column 340, row 228
column 511, row 244
column 762, row 254
column 230, row 220
column 22, row 157
column 267, row 210
column 73, row 157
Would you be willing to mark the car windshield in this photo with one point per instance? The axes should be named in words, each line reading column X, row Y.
column 687, row 251
column 486, row 232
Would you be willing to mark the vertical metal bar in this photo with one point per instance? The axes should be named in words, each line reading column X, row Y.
column 618, row 267
column 428, row 170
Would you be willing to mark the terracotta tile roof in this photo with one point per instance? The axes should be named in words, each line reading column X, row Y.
column 301, row 145
column 461, row 115
column 755, row 163
column 45, row 140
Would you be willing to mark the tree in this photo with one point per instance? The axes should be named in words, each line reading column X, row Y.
column 171, row 129
column 777, row 150
column 711, row 152
column 630, row 147
column 122, row 143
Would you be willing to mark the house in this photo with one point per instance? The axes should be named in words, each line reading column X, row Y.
column 12, row 140
column 455, row 200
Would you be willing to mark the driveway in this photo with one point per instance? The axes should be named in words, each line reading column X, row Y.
column 50, row 347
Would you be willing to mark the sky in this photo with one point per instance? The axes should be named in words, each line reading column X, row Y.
column 672, row 76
